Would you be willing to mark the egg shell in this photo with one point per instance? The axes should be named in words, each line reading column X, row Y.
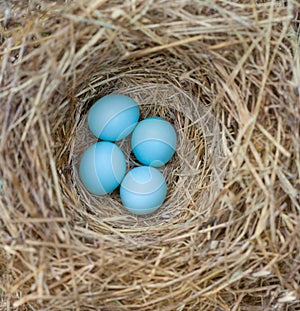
column 102, row 167
column 143, row 190
column 154, row 141
column 113, row 117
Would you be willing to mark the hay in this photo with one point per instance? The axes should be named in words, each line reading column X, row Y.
column 227, row 75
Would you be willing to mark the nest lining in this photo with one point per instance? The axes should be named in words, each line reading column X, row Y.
column 193, row 175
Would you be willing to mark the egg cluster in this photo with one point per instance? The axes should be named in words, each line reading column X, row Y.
column 103, row 166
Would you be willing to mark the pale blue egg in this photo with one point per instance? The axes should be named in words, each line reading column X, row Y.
column 102, row 167
column 143, row 190
column 154, row 141
column 113, row 117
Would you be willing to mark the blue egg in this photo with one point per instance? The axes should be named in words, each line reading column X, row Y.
column 113, row 117
column 154, row 141
column 102, row 167
column 143, row 190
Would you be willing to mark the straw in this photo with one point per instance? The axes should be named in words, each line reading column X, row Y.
column 226, row 75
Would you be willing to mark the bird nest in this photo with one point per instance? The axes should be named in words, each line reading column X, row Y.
column 227, row 76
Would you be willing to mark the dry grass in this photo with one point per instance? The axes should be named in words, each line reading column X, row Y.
column 227, row 75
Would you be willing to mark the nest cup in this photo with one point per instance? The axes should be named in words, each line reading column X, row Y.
column 196, row 167
column 226, row 76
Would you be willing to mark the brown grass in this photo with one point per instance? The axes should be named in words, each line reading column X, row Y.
column 227, row 75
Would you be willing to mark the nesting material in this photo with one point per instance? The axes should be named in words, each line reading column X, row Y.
column 226, row 75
